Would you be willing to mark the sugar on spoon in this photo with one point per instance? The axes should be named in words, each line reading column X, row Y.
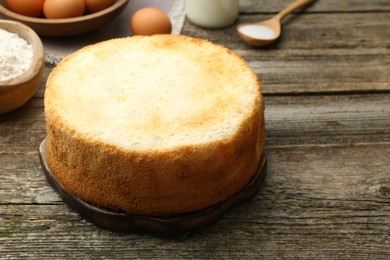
column 266, row 32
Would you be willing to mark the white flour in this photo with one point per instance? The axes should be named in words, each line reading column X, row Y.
column 15, row 55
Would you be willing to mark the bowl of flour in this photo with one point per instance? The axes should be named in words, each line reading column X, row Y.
column 21, row 64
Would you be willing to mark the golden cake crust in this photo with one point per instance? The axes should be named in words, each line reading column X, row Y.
column 177, row 175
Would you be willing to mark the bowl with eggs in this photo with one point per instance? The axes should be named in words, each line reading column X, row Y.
column 59, row 18
column 21, row 64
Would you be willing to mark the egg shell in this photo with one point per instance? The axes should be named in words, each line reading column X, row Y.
column 58, row 9
column 32, row 8
column 150, row 21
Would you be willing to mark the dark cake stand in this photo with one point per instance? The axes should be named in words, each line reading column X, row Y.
column 167, row 226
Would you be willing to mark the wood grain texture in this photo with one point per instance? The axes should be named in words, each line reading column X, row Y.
column 331, row 207
column 327, row 194
column 317, row 53
column 298, row 120
column 335, row 6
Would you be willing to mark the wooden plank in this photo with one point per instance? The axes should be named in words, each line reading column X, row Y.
column 316, row 54
column 328, row 59
column 22, row 130
column 315, row 71
column 316, row 202
column 327, row 120
column 310, row 32
column 305, row 71
column 273, row 6
column 305, row 121
column 298, row 120
column 23, row 182
column 323, row 73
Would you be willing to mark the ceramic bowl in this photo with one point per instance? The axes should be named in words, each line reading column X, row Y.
column 69, row 26
column 17, row 91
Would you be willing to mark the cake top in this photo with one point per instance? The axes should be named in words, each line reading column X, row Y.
column 144, row 92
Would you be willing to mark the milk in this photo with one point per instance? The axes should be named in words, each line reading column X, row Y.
column 212, row 14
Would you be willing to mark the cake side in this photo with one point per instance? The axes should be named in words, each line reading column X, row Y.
column 172, row 177
column 159, row 183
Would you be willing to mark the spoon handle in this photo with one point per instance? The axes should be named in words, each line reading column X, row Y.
column 291, row 8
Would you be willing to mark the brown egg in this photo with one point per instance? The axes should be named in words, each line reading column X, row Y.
column 57, row 9
column 33, row 8
column 149, row 21
column 93, row 6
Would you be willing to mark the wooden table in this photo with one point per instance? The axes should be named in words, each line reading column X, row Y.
column 327, row 194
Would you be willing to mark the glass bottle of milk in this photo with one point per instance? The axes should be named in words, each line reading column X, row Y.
column 212, row 14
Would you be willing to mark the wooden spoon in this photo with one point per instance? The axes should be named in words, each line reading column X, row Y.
column 266, row 32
